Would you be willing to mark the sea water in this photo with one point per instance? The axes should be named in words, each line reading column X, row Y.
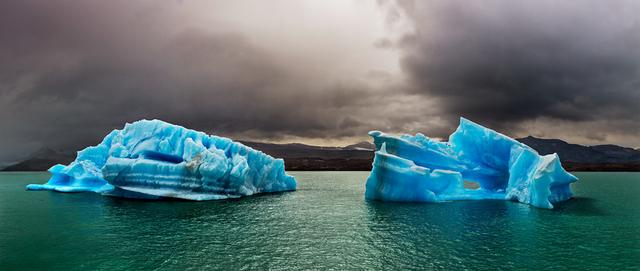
column 326, row 224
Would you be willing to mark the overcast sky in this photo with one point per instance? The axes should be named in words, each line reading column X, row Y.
column 318, row 72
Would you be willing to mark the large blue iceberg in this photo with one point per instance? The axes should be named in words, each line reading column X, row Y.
column 152, row 159
column 416, row 168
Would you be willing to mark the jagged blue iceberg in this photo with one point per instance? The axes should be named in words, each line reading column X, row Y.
column 416, row 168
column 152, row 159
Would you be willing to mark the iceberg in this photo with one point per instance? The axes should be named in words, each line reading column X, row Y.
column 152, row 159
column 419, row 169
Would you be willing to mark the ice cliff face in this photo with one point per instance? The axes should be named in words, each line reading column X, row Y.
column 416, row 168
column 153, row 159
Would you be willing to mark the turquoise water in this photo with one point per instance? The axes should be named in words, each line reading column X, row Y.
column 326, row 224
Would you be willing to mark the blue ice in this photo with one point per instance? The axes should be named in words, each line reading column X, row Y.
column 416, row 168
column 152, row 159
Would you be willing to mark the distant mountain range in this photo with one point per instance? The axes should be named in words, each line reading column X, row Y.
column 359, row 156
column 42, row 159
column 587, row 158
column 305, row 157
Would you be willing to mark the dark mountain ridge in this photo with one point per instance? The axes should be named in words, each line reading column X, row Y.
column 575, row 153
column 359, row 156
column 42, row 159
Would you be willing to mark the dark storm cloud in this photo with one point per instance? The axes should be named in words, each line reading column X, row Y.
column 504, row 63
column 70, row 71
column 73, row 70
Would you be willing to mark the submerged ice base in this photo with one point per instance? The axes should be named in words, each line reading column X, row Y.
column 416, row 168
column 152, row 159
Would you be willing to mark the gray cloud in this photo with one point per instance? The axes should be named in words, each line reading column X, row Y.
column 73, row 70
column 506, row 63
column 318, row 73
